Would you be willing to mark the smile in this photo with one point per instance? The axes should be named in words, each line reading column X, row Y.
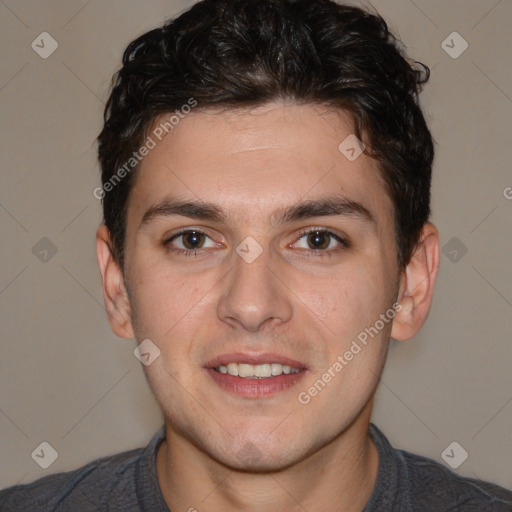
column 258, row 371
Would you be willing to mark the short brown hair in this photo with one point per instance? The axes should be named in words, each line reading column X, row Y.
column 236, row 53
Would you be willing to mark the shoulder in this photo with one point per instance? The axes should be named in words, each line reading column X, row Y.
column 434, row 484
column 87, row 488
column 407, row 481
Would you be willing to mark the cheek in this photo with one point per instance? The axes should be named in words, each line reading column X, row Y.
column 162, row 299
column 348, row 302
column 167, row 311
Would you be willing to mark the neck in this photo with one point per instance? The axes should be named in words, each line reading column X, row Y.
column 339, row 476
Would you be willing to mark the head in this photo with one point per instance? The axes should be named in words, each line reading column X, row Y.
column 232, row 121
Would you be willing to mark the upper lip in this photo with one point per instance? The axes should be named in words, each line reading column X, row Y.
column 254, row 359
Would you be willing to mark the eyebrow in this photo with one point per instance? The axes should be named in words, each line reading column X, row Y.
column 336, row 205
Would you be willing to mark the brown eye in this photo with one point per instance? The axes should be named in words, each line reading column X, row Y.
column 193, row 239
column 189, row 242
column 319, row 239
column 321, row 242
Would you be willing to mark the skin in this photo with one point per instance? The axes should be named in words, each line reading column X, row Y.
column 226, row 452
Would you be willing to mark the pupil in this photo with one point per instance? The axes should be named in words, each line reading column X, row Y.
column 317, row 237
column 196, row 239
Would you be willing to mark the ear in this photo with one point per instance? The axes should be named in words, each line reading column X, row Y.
column 417, row 285
column 114, row 291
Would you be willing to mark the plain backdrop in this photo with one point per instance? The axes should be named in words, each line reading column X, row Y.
column 68, row 381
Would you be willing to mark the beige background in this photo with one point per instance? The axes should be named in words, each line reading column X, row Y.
column 66, row 379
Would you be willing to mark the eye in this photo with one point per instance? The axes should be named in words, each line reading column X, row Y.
column 189, row 242
column 321, row 240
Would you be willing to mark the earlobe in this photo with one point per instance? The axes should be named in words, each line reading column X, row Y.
column 417, row 285
column 116, row 299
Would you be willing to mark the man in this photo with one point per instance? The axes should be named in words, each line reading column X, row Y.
column 266, row 185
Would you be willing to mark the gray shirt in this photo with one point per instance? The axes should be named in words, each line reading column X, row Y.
column 127, row 482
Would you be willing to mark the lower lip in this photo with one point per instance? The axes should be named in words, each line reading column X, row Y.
column 255, row 388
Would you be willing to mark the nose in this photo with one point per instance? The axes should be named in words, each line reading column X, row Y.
column 253, row 295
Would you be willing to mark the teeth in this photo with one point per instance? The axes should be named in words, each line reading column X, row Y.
column 263, row 370
column 245, row 370
column 259, row 371
column 276, row 369
column 233, row 369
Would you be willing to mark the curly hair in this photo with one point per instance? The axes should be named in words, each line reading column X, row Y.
column 234, row 53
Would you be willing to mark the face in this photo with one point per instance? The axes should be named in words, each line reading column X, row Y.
column 249, row 282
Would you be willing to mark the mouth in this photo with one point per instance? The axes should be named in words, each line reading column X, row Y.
column 259, row 371
column 255, row 376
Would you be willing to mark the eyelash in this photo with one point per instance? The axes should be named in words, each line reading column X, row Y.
column 322, row 253
column 188, row 253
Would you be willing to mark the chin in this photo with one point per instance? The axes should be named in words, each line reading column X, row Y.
column 252, row 453
column 251, row 459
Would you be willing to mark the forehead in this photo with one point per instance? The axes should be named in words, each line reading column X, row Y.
column 254, row 162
